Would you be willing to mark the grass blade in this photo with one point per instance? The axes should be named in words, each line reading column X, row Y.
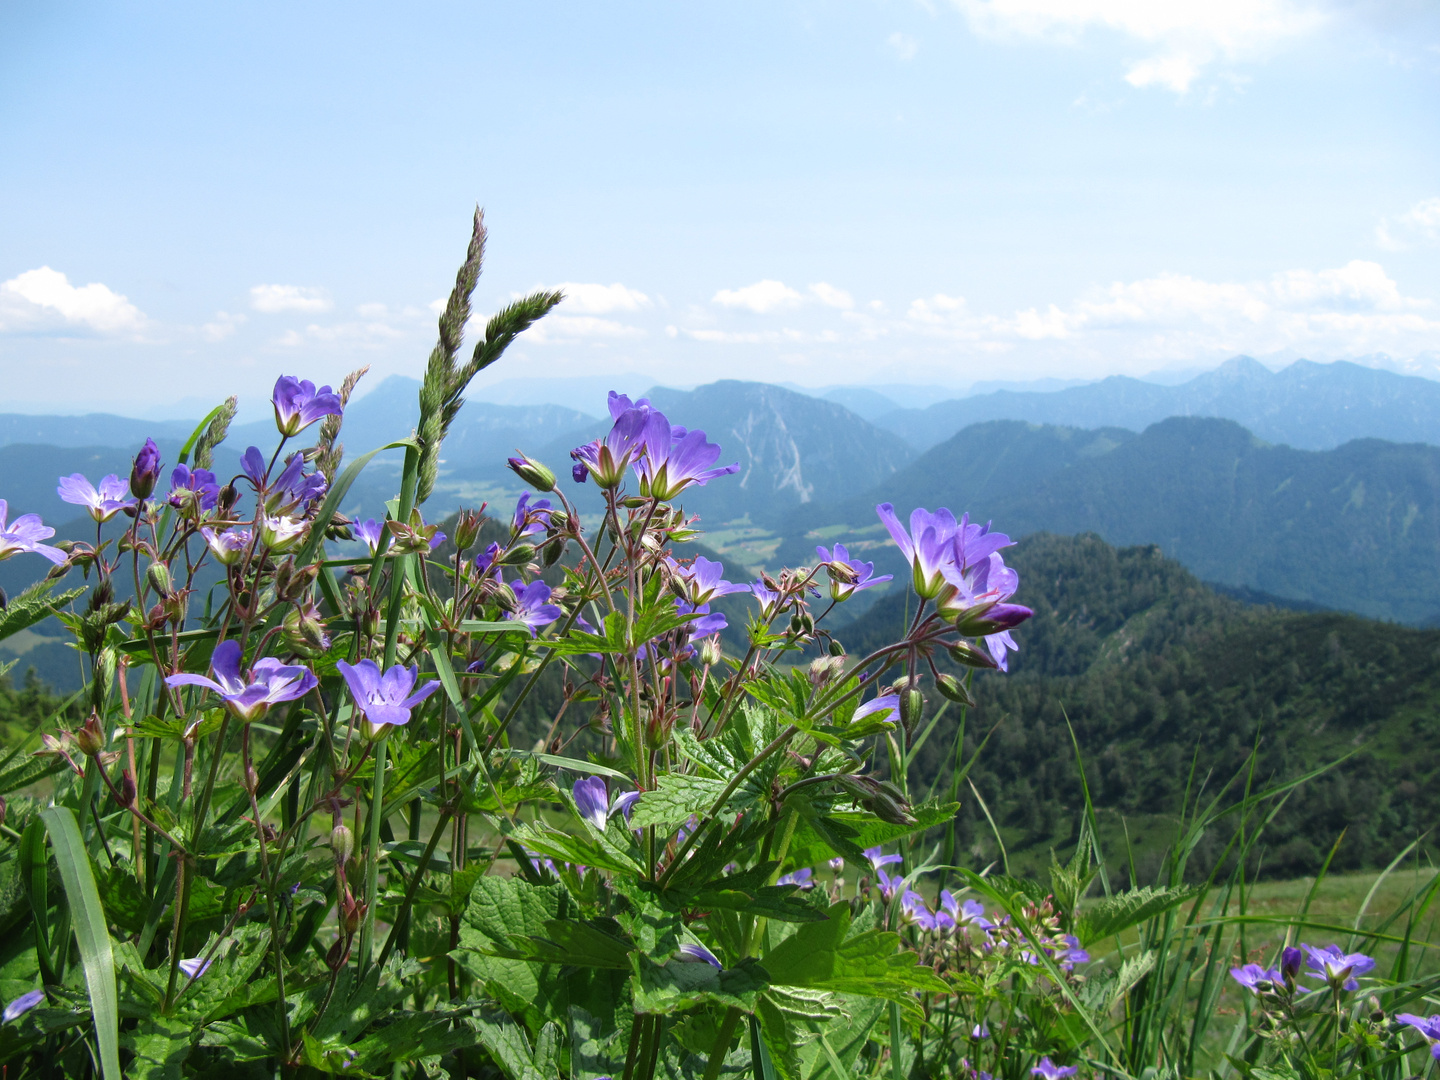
column 88, row 919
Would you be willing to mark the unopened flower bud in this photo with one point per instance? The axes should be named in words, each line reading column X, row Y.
column 127, row 789
column 352, row 913
column 912, row 706
column 91, row 737
column 252, row 779
column 710, row 651
column 551, row 552
column 532, row 472
column 963, row 652
column 952, row 689
column 836, row 649
column 229, row 496
column 158, row 575
column 467, row 529
column 517, row 555
column 304, row 631
column 145, row 470
column 824, row 668
column 342, row 843
column 634, row 502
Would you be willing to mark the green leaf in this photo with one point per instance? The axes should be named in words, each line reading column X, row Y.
column 335, row 496
column 677, row 797
column 1120, row 912
column 33, row 605
column 680, row 984
column 781, row 1039
column 88, row 918
column 819, row 836
column 160, row 1045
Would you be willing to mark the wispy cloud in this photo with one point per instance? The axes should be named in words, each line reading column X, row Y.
column 274, row 299
column 1184, row 37
column 591, row 299
column 762, row 297
column 1418, row 225
column 39, row 299
column 555, row 328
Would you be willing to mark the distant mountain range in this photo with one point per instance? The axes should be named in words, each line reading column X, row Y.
column 1306, row 405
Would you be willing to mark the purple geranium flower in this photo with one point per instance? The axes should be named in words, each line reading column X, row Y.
column 1427, row 1026
column 768, row 597
column 193, row 487
column 531, row 518
column 249, row 698
column 293, row 488
column 672, row 462
column 22, row 1004
column 913, row 907
column 228, row 547
column 532, row 606
column 486, row 562
column 1072, row 954
column 701, row 582
column 928, row 546
column 103, row 502
column 386, row 700
column 145, row 470
column 980, row 1031
column 1290, row 960
column 708, row 622
column 801, row 877
column 1048, row 1070
column 25, row 534
column 969, row 913
column 280, row 534
column 1337, row 968
column 369, row 532
column 848, row 576
column 608, row 458
column 878, row 858
column 595, row 804
column 298, row 404
column 1252, row 975
column 253, row 465
column 888, row 885
column 694, row 951
column 884, row 703
column 195, row 967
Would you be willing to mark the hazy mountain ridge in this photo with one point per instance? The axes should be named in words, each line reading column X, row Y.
column 1306, row 405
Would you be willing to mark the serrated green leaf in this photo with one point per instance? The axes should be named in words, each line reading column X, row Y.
column 1116, row 913
column 681, row 984
column 675, row 799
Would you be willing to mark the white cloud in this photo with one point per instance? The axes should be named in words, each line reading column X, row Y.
column 903, row 45
column 592, row 299
column 32, row 299
column 363, row 335
column 830, row 296
column 221, row 327
column 372, row 311
column 1186, row 35
column 1419, row 224
column 273, row 299
column 762, row 297
column 554, row 328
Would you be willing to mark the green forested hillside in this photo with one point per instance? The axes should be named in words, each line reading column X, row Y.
column 1155, row 671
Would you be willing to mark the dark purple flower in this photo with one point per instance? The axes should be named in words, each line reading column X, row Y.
column 848, row 576
column 386, row 700
column 608, row 458
column 249, row 697
column 595, row 804
column 801, row 878
column 22, row 1004
column 532, row 606
column 531, row 518
column 1072, row 954
column 694, row 951
column 103, row 502
column 706, row 623
column 368, row 531
column 672, row 463
column 298, row 404
column 253, row 465
column 1290, row 960
column 193, row 487
column 701, row 581
column 1337, row 968
column 293, row 489
column 1048, row 1070
column 486, row 562
column 1427, row 1026
column 25, row 534
column 1252, row 975
column 929, row 546
column 145, row 470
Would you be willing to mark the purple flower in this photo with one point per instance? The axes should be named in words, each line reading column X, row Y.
column 799, row 877
column 837, row 864
column 386, row 700
column 888, row 885
column 1429, row 1027
column 532, row 606
column 194, row 968
column 928, row 546
column 293, row 488
column 595, row 804
column 693, row 950
column 975, row 598
column 145, row 470
column 878, row 858
column 280, row 534
column 23, row 1004
column 848, row 576
column 1252, row 975
column 252, row 464
column 769, row 599
column 103, row 502
column 193, row 487
column 608, row 458
column 531, row 518
column 486, row 562
column 885, row 703
column 701, row 582
column 228, row 547
column 913, row 907
column 1337, row 968
column 969, row 913
column 672, row 462
column 980, row 1031
column 707, row 623
column 1290, row 959
column 298, row 404
column 368, row 531
column 1050, row 1071
column 1072, row 954
column 25, row 534
column 269, row 683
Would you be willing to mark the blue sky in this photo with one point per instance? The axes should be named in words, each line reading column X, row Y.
column 200, row 197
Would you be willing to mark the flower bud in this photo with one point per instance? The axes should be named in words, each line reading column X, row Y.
column 145, row 470
column 952, row 689
column 532, row 472
column 352, row 913
column 836, row 649
column 517, row 555
column 342, row 843
column 912, row 706
column 229, row 496
column 467, row 529
column 252, row 779
column 963, row 652
column 882, row 799
column 304, row 631
column 91, row 737
column 551, row 552
column 158, row 575
column 127, row 790
column 710, row 651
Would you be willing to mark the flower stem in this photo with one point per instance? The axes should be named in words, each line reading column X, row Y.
column 372, row 858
